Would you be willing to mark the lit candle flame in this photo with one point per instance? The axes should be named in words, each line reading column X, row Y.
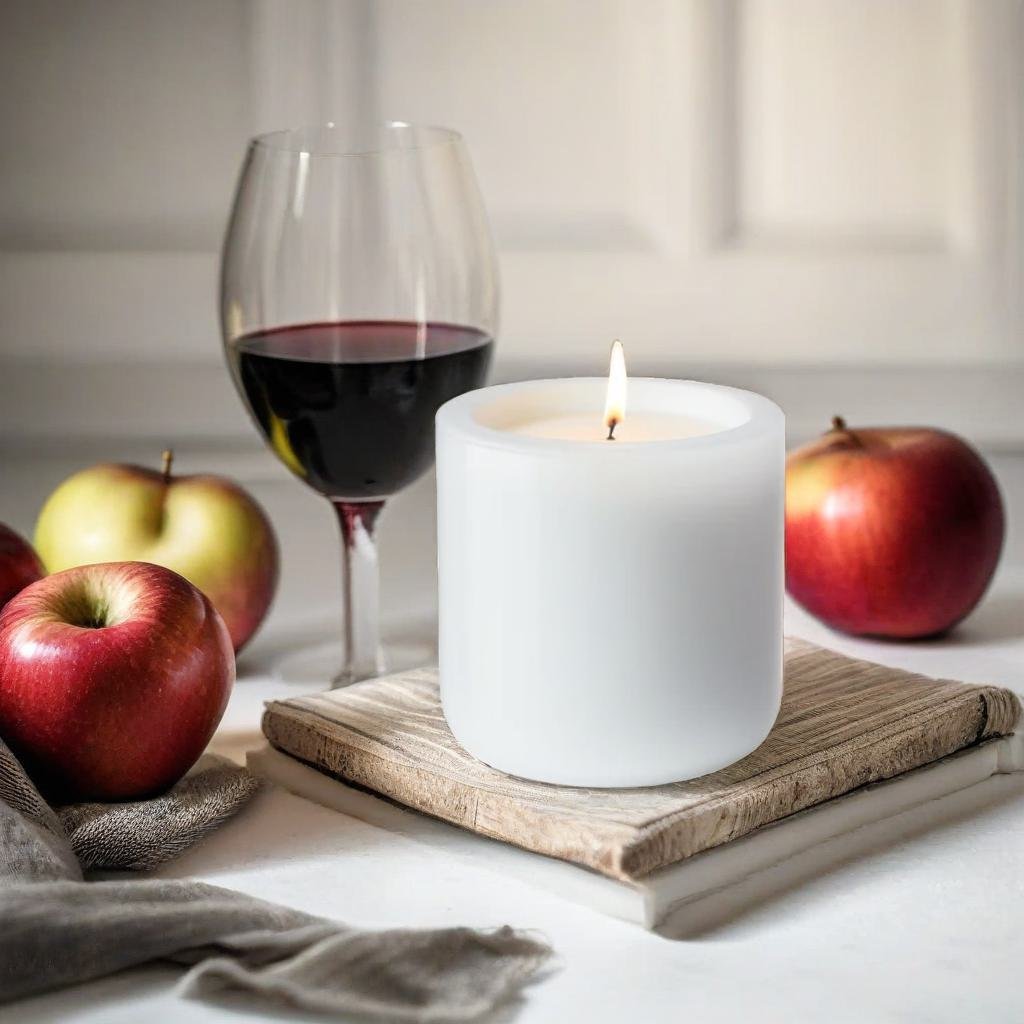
column 615, row 402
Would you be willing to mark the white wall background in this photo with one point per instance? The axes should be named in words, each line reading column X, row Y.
column 822, row 198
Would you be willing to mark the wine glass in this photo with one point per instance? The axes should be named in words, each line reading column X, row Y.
column 359, row 292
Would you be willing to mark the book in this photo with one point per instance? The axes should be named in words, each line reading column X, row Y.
column 845, row 726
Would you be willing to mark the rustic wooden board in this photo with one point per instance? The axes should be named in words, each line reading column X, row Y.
column 844, row 724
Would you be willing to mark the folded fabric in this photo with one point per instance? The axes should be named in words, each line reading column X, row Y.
column 58, row 929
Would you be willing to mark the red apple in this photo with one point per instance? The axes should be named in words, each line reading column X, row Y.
column 113, row 678
column 891, row 532
column 19, row 564
column 204, row 527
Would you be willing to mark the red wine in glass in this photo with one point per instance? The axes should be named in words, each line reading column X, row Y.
column 358, row 293
column 349, row 407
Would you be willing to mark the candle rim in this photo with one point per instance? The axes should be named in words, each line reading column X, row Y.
column 458, row 415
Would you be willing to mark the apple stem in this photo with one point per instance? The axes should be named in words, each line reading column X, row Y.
column 168, row 457
column 839, row 427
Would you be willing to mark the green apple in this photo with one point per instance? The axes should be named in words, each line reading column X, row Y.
column 206, row 528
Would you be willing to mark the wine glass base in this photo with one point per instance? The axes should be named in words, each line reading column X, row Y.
column 319, row 666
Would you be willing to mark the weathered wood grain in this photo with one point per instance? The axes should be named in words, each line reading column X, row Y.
column 844, row 724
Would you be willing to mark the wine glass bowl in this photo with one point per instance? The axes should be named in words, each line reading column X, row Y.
column 359, row 292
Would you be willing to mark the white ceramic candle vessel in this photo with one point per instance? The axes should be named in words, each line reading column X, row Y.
column 610, row 610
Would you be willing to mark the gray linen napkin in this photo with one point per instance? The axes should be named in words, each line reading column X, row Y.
column 57, row 929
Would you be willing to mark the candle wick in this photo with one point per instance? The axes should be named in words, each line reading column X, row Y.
column 612, row 424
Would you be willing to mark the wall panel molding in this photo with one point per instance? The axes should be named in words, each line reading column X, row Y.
column 846, row 122
column 310, row 61
column 610, row 140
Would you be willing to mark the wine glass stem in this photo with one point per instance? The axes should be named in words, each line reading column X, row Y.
column 360, row 576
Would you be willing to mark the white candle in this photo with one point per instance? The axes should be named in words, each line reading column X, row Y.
column 610, row 610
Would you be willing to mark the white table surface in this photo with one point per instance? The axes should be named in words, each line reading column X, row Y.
column 924, row 928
